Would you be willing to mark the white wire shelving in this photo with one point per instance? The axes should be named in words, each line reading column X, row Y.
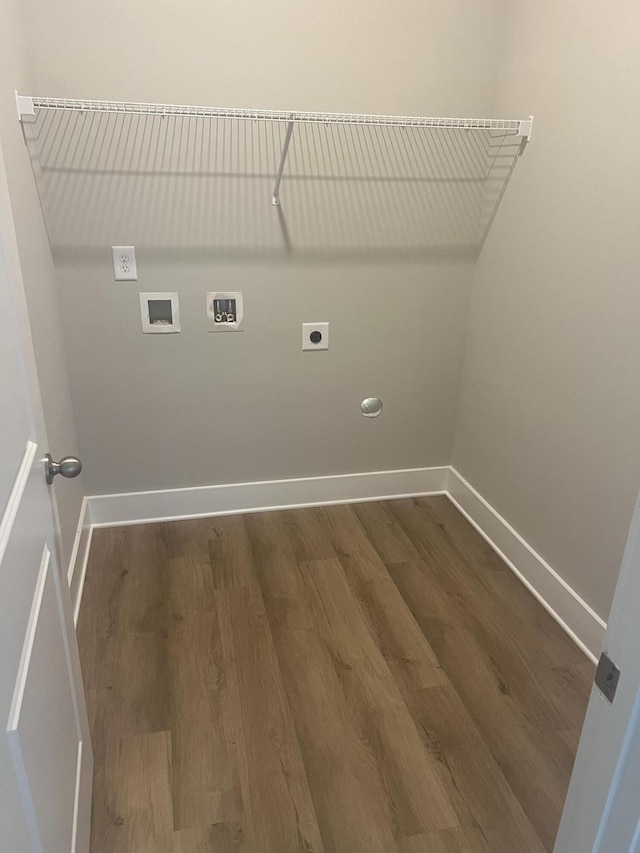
column 27, row 105
column 349, row 147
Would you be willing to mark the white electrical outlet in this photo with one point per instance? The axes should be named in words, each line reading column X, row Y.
column 315, row 336
column 124, row 263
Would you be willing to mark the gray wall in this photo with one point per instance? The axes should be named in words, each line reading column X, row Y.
column 548, row 412
column 197, row 408
column 37, row 269
column 549, row 422
column 406, row 57
column 168, row 411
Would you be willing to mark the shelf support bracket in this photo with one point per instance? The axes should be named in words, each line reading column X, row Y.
column 26, row 110
column 525, row 129
column 283, row 159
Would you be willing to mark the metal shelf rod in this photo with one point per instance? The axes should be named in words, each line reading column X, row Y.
column 26, row 106
column 283, row 157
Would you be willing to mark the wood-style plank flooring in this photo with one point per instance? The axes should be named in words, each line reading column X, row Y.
column 350, row 679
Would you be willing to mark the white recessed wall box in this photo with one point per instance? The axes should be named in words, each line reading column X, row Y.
column 160, row 313
column 225, row 311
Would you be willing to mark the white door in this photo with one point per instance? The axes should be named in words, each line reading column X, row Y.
column 602, row 812
column 45, row 753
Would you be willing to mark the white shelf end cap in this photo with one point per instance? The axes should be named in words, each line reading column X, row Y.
column 26, row 110
column 526, row 128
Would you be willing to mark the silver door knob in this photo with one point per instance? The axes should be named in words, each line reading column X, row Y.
column 68, row 466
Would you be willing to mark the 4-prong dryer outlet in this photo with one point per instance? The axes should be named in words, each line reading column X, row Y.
column 315, row 336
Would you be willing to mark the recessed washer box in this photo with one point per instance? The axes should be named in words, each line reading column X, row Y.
column 160, row 313
column 225, row 311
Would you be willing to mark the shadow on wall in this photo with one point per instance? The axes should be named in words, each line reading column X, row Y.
column 204, row 185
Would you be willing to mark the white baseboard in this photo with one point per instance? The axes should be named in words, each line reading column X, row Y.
column 228, row 499
column 574, row 615
column 580, row 622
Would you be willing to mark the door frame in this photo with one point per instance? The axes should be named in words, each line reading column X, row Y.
column 602, row 810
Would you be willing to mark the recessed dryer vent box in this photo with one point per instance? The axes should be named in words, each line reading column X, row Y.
column 160, row 313
column 225, row 311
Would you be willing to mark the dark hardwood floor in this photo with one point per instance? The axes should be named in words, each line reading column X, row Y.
column 352, row 679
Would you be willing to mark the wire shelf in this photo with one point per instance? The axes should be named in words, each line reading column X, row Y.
column 111, row 172
column 519, row 126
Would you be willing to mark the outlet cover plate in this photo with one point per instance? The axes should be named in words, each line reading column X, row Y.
column 312, row 330
column 218, row 303
column 124, row 263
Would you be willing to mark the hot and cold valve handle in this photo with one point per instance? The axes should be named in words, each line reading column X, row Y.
column 68, row 466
